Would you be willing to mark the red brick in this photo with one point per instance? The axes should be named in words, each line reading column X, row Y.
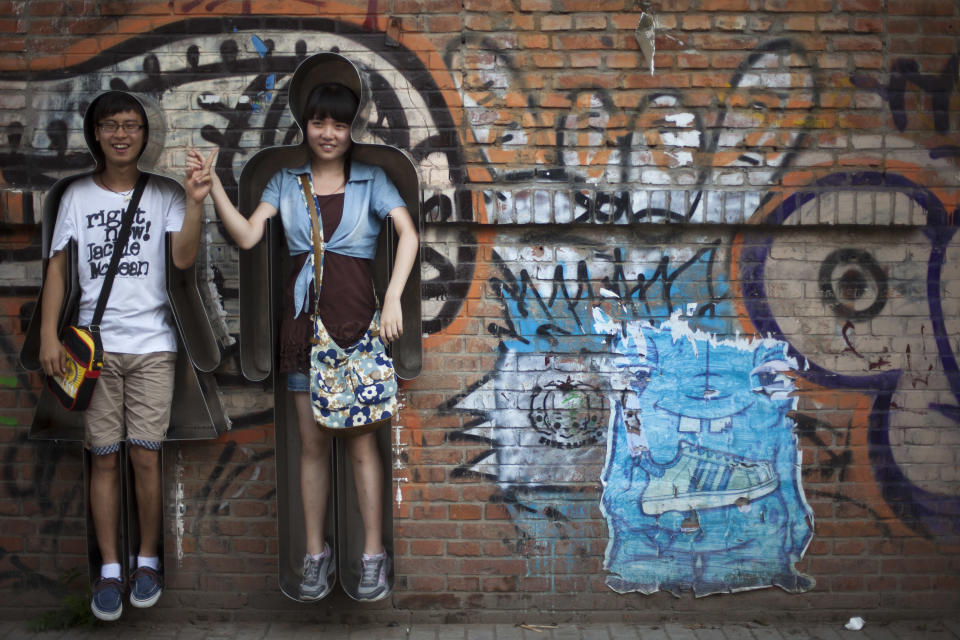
column 813, row 6
column 585, row 59
column 696, row 22
column 465, row 512
column 580, row 41
column 693, row 61
column 846, row 583
column 737, row 43
column 833, row 23
column 920, row 7
column 943, row 26
column 902, row 26
column 554, row 22
column 800, row 23
column 729, row 5
column 868, row 25
column 864, row 6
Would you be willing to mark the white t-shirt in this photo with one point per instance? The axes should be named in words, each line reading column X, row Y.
column 137, row 318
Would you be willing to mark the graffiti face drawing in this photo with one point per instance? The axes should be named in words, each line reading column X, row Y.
column 544, row 409
column 701, row 481
column 883, row 329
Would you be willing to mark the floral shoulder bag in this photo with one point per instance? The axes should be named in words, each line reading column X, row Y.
column 352, row 389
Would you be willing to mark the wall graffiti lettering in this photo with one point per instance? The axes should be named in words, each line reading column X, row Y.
column 939, row 88
column 544, row 314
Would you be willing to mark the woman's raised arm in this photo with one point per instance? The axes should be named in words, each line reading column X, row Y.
column 246, row 232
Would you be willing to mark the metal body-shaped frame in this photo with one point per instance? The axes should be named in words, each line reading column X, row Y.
column 261, row 273
column 196, row 413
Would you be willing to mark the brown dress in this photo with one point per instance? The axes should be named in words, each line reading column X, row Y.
column 346, row 304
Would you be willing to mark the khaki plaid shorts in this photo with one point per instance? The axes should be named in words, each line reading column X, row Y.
column 136, row 391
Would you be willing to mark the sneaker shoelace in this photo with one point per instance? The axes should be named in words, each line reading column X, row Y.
column 371, row 570
column 311, row 568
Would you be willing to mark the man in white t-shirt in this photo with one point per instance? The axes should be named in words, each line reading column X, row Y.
column 133, row 396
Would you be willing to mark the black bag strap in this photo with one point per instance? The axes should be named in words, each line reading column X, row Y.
column 124, row 234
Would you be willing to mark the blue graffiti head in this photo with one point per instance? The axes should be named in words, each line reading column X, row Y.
column 701, row 481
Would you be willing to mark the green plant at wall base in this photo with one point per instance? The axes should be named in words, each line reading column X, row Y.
column 74, row 614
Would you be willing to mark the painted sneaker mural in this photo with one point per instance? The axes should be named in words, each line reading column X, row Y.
column 701, row 485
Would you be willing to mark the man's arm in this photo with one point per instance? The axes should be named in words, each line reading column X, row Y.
column 186, row 242
column 53, row 359
column 196, row 184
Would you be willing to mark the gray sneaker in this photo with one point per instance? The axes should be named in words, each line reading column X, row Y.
column 373, row 579
column 317, row 575
column 701, row 478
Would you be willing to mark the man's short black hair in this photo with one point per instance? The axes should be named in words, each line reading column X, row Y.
column 110, row 104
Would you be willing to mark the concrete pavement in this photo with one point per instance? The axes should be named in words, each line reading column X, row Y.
column 906, row 630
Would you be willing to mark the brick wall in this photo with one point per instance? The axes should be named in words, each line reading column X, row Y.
column 739, row 258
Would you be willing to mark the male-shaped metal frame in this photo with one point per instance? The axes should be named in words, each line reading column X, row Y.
column 197, row 413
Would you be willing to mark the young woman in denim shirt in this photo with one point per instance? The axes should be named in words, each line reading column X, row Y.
column 354, row 198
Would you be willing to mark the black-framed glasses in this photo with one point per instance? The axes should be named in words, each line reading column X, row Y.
column 109, row 126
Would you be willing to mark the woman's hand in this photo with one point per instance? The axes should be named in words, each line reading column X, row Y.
column 391, row 319
column 200, row 175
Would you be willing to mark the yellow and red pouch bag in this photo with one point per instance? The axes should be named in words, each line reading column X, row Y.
column 84, row 362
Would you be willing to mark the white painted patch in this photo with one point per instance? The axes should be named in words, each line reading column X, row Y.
column 180, row 507
column 398, row 465
column 770, row 80
column 680, row 119
column 680, row 138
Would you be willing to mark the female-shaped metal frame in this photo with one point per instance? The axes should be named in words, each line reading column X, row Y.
column 261, row 273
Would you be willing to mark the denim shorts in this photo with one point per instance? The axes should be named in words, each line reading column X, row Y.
column 298, row 382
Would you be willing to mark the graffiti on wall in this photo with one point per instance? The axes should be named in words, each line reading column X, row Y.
column 552, row 424
column 712, row 166
column 890, row 334
column 543, row 409
column 890, row 327
column 702, row 475
column 229, row 88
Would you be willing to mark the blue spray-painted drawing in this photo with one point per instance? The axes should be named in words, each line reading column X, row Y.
column 701, row 485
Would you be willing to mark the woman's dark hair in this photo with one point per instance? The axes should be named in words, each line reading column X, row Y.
column 333, row 100
column 110, row 104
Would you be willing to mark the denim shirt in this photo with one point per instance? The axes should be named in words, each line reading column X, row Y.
column 368, row 197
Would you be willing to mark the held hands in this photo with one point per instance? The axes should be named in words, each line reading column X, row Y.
column 391, row 319
column 200, row 175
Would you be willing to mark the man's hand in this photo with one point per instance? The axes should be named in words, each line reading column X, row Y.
column 200, row 176
column 53, row 357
